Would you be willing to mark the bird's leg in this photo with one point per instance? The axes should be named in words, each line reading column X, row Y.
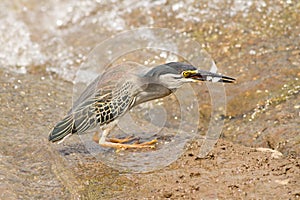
column 118, row 143
column 150, row 144
column 124, row 140
column 114, row 140
column 96, row 137
column 104, row 135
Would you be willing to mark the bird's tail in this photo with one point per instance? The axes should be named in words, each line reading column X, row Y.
column 62, row 129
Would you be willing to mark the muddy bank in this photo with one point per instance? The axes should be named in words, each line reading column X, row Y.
column 229, row 171
column 32, row 168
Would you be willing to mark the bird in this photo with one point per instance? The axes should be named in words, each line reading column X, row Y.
column 118, row 90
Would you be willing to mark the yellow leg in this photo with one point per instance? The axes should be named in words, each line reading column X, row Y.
column 150, row 144
column 119, row 143
column 113, row 140
column 117, row 140
column 96, row 137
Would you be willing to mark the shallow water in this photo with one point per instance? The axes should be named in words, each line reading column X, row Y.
column 43, row 43
column 65, row 32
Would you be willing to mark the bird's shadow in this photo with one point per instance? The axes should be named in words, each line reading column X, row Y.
column 74, row 148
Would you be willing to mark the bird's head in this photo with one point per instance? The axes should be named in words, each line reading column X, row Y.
column 173, row 75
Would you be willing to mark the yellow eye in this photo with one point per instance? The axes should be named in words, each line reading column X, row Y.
column 185, row 74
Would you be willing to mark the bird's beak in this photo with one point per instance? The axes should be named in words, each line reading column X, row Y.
column 201, row 75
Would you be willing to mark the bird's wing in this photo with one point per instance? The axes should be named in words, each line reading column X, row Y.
column 109, row 96
column 116, row 86
column 100, row 89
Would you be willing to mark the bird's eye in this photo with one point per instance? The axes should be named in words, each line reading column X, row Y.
column 185, row 74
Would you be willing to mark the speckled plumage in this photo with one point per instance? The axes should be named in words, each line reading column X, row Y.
column 120, row 88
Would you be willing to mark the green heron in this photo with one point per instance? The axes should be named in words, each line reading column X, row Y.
column 104, row 101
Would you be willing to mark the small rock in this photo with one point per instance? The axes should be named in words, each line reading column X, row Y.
column 168, row 194
column 22, row 93
column 282, row 182
column 275, row 154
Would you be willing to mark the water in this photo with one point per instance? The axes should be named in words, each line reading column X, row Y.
column 66, row 31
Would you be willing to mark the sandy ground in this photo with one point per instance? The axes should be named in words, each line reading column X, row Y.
column 229, row 171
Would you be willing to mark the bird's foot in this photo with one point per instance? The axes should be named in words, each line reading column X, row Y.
column 121, row 146
column 121, row 141
column 114, row 140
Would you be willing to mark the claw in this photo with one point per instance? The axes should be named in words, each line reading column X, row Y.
column 119, row 144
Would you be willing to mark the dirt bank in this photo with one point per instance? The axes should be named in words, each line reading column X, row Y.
column 32, row 168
